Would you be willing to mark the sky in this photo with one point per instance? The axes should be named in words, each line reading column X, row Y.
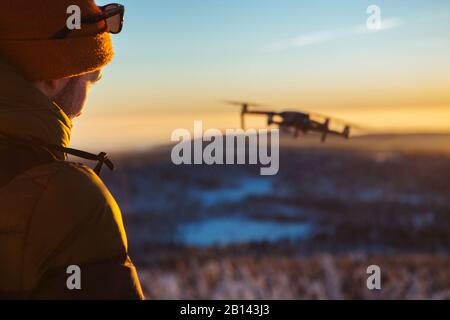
column 177, row 60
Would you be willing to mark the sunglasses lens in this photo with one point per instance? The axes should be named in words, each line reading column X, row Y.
column 114, row 22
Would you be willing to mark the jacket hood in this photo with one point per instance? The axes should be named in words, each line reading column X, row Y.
column 25, row 112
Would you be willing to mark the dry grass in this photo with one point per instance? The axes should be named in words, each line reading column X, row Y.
column 216, row 274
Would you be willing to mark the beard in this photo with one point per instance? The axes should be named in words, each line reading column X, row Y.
column 67, row 98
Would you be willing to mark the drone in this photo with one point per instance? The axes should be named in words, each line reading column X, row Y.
column 296, row 121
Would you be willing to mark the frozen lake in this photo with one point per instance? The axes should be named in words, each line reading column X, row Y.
column 231, row 230
column 246, row 188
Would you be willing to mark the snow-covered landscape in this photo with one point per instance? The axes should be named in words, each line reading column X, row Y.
column 309, row 232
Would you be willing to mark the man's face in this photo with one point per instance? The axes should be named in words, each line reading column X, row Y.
column 72, row 96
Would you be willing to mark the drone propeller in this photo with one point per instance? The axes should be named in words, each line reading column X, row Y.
column 245, row 109
column 245, row 103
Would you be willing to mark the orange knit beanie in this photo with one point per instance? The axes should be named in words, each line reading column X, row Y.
column 26, row 31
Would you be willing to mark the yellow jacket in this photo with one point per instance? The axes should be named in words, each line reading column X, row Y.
column 54, row 214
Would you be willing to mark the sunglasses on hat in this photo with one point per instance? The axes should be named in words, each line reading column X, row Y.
column 112, row 14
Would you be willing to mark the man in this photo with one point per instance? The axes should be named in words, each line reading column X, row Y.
column 61, row 232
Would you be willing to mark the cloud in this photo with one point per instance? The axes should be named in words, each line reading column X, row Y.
column 317, row 38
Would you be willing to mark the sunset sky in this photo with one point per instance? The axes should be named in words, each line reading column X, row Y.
column 176, row 60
